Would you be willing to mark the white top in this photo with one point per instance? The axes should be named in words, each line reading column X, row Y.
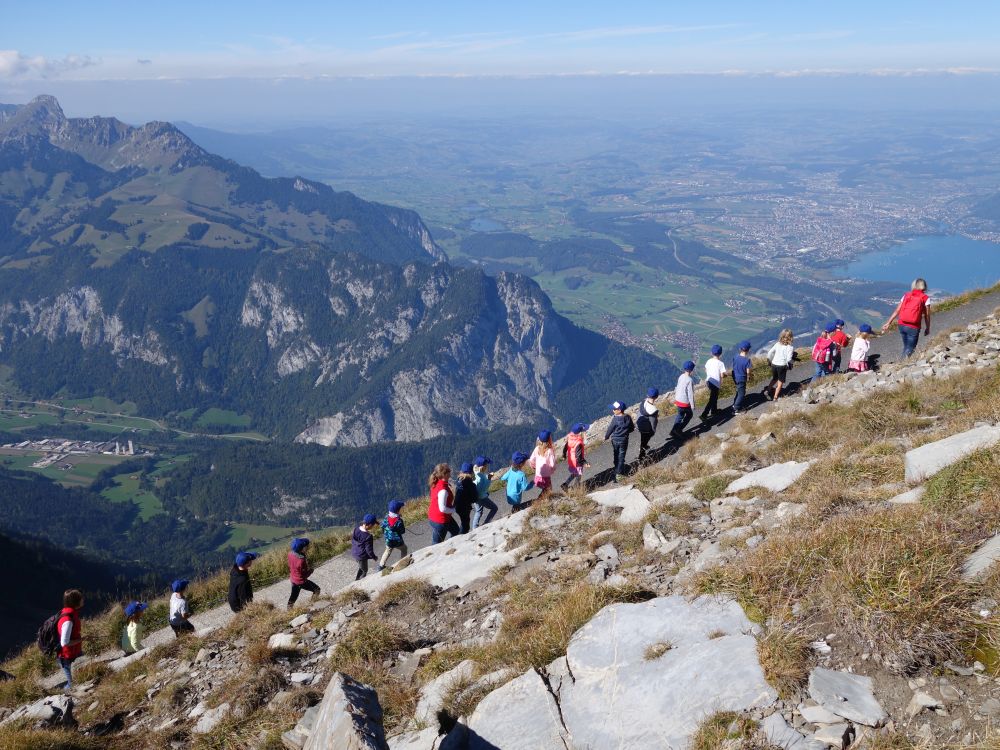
column 443, row 503
column 66, row 633
column 684, row 393
column 178, row 608
column 860, row 349
column 780, row 354
column 715, row 368
column 649, row 408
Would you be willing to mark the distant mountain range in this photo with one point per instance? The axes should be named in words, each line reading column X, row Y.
column 136, row 265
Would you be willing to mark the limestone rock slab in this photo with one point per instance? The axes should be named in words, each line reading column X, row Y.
column 633, row 503
column 927, row 460
column 776, row 477
column 349, row 718
column 845, row 694
column 521, row 715
column 980, row 560
column 435, row 692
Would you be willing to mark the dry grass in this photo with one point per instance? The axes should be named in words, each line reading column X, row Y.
column 974, row 480
column 12, row 738
column 720, row 729
column 413, row 594
column 783, row 650
column 655, row 650
column 710, row 488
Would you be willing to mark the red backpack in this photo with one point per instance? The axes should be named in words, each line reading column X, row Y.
column 911, row 309
column 822, row 351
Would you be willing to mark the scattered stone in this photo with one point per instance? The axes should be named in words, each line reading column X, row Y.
column 521, row 715
column 989, row 707
column 283, row 642
column 403, row 562
column 778, row 733
column 423, row 739
column 920, row 701
column 818, row 715
column 303, row 678
column 776, row 477
column 296, row 738
column 633, row 503
column 845, row 694
column 349, row 717
column 300, row 620
column 210, row 719
column 772, row 519
column 980, row 561
column 53, row 711
column 830, row 735
column 957, row 669
column 927, row 460
column 909, row 497
column 435, row 692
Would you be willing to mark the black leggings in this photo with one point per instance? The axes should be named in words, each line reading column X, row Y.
column 181, row 628
column 713, row 401
column 297, row 587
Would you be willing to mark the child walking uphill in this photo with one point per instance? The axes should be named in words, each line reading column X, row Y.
column 780, row 355
column 683, row 400
column 363, row 544
column 573, row 452
column 180, row 612
column 483, row 480
column 543, row 461
column 647, row 421
column 132, row 632
column 517, row 482
column 859, row 352
column 299, row 570
column 393, row 529
column 618, row 431
column 465, row 496
column 715, row 373
column 841, row 339
column 69, row 629
column 741, row 375
column 441, row 509
column 822, row 353
column 240, row 588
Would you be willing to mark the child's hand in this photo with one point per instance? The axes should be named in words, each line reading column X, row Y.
column 586, row 466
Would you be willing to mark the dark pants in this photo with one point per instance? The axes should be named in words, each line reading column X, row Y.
column 439, row 531
column 464, row 516
column 362, row 569
column 308, row 586
column 713, row 402
column 573, row 479
column 910, row 336
column 484, row 503
column 515, row 507
column 741, row 392
column 684, row 415
column 835, row 363
column 644, row 438
column 181, row 628
column 620, row 448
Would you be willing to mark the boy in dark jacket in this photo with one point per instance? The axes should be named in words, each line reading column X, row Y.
column 741, row 374
column 299, row 570
column 618, row 431
column 363, row 545
column 465, row 495
column 649, row 416
column 240, row 588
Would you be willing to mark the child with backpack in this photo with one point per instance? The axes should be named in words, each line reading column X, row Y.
column 465, row 496
column 715, row 373
column 859, row 353
column 483, row 479
column 393, row 529
column 822, row 353
column 64, row 635
column 841, row 340
column 363, row 545
column 517, row 482
column 573, row 452
column 647, row 421
column 180, row 612
column 742, row 365
column 240, row 587
column 912, row 309
column 299, row 570
column 620, row 427
column 543, row 461
column 683, row 400
column 131, row 640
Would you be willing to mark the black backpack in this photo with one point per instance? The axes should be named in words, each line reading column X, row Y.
column 48, row 636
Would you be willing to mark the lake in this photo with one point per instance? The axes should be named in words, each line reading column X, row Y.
column 950, row 264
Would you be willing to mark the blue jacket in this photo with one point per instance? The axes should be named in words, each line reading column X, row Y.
column 362, row 545
column 620, row 428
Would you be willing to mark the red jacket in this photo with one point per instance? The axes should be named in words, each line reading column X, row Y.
column 839, row 338
column 433, row 511
column 298, row 568
column 75, row 648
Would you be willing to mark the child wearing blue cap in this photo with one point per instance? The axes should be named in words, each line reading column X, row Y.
column 517, row 482
column 299, row 570
column 180, row 612
column 483, row 479
column 132, row 632
column 683, row 400
column 465, row 496
column 841, row 340
column 646, row 422
column 859, row 352
column 822, row 353
column 742, row 365
column 393, row 529
column 574, row 453
column 620, row 427
column 543, row 461
column 363, row 545
column 240, row 588
column 715, row 373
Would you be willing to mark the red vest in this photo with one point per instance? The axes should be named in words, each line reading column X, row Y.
column 74, row 649
column 433, row 511
column 574, row 442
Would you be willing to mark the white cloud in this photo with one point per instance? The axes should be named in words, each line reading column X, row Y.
column 14, row 64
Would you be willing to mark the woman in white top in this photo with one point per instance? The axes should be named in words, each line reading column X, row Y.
column 780, row 356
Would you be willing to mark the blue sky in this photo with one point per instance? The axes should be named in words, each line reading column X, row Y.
column 220, row 39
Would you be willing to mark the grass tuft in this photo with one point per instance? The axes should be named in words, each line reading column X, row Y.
column 710, row 488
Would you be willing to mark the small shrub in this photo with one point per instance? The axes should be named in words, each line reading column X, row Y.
column 655, row 650
column 722, row 726
column 414, row 593
column 710, row 488
column 783, row 651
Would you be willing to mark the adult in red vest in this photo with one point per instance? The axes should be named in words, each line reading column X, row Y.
column 441, row 510
column 70, row 636
column 911, row 311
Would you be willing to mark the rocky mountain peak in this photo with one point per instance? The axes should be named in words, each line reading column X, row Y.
column 41, row 115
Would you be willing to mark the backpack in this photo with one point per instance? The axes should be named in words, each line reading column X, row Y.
column 48, row 636
column 911, row 309
column 821, row 351
column 393, row 535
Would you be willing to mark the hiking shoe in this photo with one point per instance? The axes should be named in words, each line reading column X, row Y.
column 381, row 568
column 619, row 478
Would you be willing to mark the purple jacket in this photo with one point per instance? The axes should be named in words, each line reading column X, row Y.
column 362, row 545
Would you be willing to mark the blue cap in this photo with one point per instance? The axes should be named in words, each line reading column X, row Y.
column 482, row 461
column 395, row 506
column 545, row 435
column 838, row 322
column 299, row 544
column 242, row 558
column 179, row 585
column 519, row 457
column 134, row 608
column 689, row 365
column 466, row 468
column 716, row 349
column 653, row 393
column 745, row 346
column 865, row 328
column 369, row 519
column 618, row 406
column 830, row 328
column 579, row 427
